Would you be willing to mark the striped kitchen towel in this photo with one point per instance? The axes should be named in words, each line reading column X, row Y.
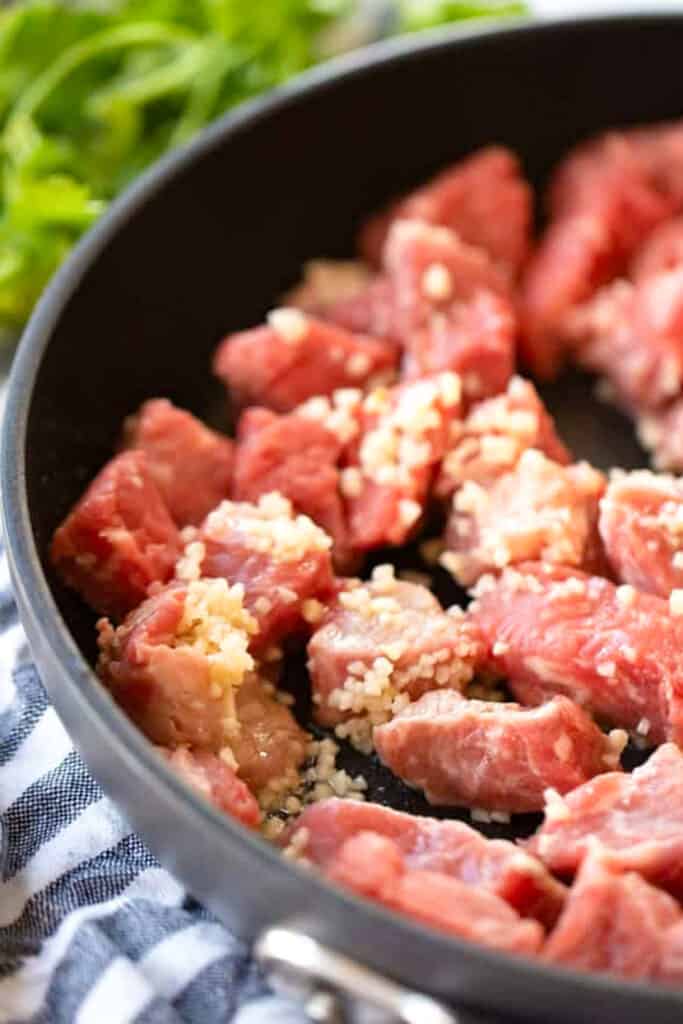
column 92, row 929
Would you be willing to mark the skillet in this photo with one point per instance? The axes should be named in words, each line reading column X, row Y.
column 202, row 245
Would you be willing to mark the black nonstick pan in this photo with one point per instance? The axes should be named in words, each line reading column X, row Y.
column 203, row 245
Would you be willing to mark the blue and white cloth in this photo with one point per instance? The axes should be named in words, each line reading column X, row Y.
column 92, row 929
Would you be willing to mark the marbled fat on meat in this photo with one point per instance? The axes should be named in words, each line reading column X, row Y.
column 492, row 755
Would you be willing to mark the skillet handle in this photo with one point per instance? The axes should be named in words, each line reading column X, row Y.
column 337, row 990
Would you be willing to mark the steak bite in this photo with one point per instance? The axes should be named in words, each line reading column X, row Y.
column 551, row 630
column 633, row 336
column 641, row 525
column 267, row 745
column 539, row 511
column 636, row 819
column 614, row 922
column 372, row 866
column 453, row 309
column 600, row 217
column 294, row 357
column 179, row 665
column 494, row 756
column 483, row 198
column 476, row 340
column 381, row 644
column 190, row 464
column 175, row 662
column 118, row 538
column 404, row 433
column 211, row 776
column 281, row 560
column 428, row 844
column 296, row 456
column 493, row 436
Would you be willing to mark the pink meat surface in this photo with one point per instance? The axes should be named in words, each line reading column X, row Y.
column 539, row 511
column 383, row 643
column 372, row 866
column 662, row 250
column 552, row 630
column 296, row 456
column 217, row 782
column 491, row 439
column 427, row 844
column 404, row 433
column 190, row 464
column 296, row 356
column 614, row 922
column 633, row 335
column 614, row 170
column 165, row 688
column 641, row 524
column 452, row 306
column 165, row 683
column 636, row 819
column 282, row 560
column 603, row 209
column 475, row 340
column 118, row 538
column 483, row 198
column 269, row 746
column 491, row 755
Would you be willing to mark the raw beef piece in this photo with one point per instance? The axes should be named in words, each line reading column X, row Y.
column 613, row 922
column 493, row 436
column 175, row 662
column 636, row 819
column 641, row 525
column 495, row 756
column 573, row 258
column 190, row 464
column 268, row 746
column 552, row 630
column 540, row 511
column 118, row 538
column 211, row 776
column 296, row 456
column 662, row 250
column 601, row 215
column 381, row 644
column 427, row 844
column 475, row 340
column 661, row 432
column 633, row 334
column 404, row 434
column 282, row 561
column 373, row 867
column 483, row 198
column 433, row 272
column 295, row 356
column 610, row 172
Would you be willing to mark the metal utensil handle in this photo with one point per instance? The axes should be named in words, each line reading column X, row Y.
column 335, row 989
